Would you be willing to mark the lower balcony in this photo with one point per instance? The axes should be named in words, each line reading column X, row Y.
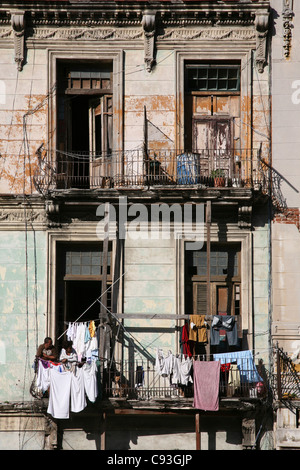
column 141, row 382
column 137, row 168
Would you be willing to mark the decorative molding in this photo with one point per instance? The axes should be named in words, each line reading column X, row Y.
column 85, row 34
column 22, row 216
column 287, row 16
column 18, row 26
column 209, row 34
column 149, row 27
column 262, row 27
column 119, row 34
column 245, row 217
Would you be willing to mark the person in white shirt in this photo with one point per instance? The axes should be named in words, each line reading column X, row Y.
column 68, row 356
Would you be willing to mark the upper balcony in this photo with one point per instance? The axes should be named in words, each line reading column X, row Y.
column 139, row 169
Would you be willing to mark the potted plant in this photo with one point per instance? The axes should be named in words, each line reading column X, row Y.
column 219, row 177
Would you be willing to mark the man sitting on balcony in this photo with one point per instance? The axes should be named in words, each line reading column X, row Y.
column 47, row 351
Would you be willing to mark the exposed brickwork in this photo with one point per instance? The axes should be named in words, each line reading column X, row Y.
column 290, row 216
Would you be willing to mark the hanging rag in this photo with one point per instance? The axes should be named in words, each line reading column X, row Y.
column 92, row 328
column 43, row 375
column 206, row 385
column 90, row 380
column 59, row 395
column 245, row 363
column 234, row 380
column 163, row 364
column 185, row 345
column 78, row 400
column 198, row 330
column 226, row 323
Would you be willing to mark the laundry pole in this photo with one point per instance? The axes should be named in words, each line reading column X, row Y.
column 197, row 430
column 103, row 314
column 208, row 296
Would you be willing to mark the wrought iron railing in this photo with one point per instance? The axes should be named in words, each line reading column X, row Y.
column 137, row 168
column 140, row 380
column 285, row 379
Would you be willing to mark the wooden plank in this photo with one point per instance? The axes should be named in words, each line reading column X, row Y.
column 161, row 316
column 197, row 430
column 104, row 266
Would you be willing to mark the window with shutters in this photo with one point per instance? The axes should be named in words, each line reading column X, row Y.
column 85, row 122
column 225, row 280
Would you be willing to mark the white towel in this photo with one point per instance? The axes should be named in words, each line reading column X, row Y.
column 78, row 400
column 90, row 380
column 60, row 392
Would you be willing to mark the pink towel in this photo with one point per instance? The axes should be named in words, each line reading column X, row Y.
column 206, row 385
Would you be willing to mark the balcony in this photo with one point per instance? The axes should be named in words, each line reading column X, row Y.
column 136, row 169
column 138, row 381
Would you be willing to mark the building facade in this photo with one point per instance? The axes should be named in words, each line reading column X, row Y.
column 117, row 117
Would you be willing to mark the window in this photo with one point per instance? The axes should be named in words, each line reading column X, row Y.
column 85, row 123
column 212, row 116
column 225, row 280
column 88, row 79
column 212, row 78
column 79, row 281
column 84, row 262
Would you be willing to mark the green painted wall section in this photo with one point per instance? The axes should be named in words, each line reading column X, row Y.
column 23, row 301
column 149, row 287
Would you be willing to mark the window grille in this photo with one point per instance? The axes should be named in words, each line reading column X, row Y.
column 212, row 78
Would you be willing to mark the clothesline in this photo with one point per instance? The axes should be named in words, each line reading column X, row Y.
column 92, row 304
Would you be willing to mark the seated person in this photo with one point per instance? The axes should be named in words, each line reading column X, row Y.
column 68, row 355
column 47, row 351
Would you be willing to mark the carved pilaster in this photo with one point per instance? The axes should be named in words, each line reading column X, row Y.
column 149, row 26
column 287, row 15
column 261, row 25
column 18, row 26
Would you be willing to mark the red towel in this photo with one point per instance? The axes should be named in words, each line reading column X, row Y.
column 206, row 385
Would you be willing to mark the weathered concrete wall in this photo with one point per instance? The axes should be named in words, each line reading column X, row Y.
column 23, row 300
column 150, row 287
column 285, row 161
column 261, row 284
column 156, row 91
column 20, row 133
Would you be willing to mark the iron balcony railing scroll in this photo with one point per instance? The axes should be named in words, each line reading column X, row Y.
column 285, row 379
column 137, row 168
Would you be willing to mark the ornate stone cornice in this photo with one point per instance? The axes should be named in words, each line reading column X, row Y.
column 220, row 23
column 129, row 15
column 96, row 34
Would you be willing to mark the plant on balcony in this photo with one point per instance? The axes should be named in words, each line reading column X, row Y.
column 219, row 177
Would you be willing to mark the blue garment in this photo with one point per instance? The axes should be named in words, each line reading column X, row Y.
column 245, row 363
column 87, row 335
column 187, row 168
column 227, row 323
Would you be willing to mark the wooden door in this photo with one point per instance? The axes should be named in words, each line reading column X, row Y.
column 212, row 140
column 100, row 129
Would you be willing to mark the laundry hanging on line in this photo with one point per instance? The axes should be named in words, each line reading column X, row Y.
column 245, row 362
column 68, row 389
column 223, row 324
column 206, row 385
column 177, row 368
column 86, row 340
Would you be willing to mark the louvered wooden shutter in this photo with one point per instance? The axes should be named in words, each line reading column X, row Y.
column 200, row 299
